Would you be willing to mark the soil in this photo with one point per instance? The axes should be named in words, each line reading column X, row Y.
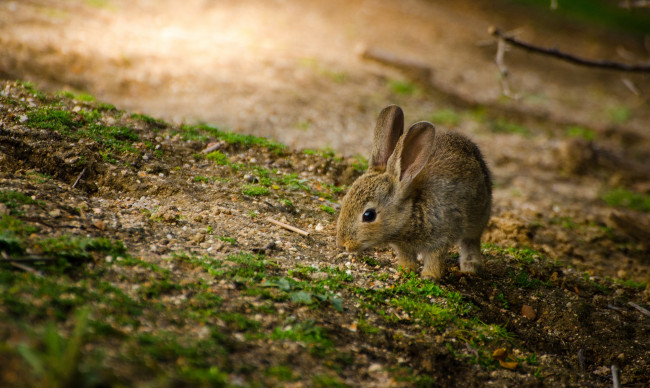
column 298, row 77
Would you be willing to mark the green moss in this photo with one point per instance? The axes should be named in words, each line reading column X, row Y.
column 52, row 119
column 202, row 132
column 625, row 198
column 13, row 199
column 218, row 157
column 405, row 88
column 308, row 333
column 581, row 132
column 158, row 123
column 255, row 190
column 504, row 126
column 447, row 117
column 73, row 248
column 327, row 209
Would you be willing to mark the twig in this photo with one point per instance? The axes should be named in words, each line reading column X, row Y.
column 27, row 269
column 79, row 177
column 630, row 85
column 636, row 4
column 211, row 147
column 616, row 383
column 505, row 85
column 288, row 227
column 643, row 310
column 554, row 52
column 615, row 308
column 417, row 70
column 33, row 259
column 581, row 360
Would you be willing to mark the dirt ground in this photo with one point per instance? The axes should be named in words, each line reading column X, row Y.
column 293, row 72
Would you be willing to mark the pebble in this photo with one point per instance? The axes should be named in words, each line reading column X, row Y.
column 3, row 209
column 319, row 227
column 55, row 213
column 528, row 312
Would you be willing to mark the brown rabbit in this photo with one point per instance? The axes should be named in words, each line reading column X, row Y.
column 422, row 192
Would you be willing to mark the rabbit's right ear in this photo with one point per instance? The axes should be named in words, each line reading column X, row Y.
column 412, row 153
column 390, row 126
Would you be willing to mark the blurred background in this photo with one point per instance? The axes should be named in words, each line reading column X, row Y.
column 315, row 73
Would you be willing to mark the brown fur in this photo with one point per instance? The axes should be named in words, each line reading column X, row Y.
column 434, row 190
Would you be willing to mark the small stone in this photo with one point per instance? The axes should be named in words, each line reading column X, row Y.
column 374, row 368
column 97, row 210
column 528, row 312
column 99, row 225
column 55, row 213
column 197, row 238
column 319, row 227
column 3, row 209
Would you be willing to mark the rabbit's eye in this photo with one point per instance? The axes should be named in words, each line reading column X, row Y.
column 369, row 215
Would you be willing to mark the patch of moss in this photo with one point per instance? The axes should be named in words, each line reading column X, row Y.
column 255, row 190
column 621, row 197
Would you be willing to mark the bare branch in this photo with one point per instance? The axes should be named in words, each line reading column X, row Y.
column 554, row 52
column 288, row 227
column 505, row 85
column 635, row 4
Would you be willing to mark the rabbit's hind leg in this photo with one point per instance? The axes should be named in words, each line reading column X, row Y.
column 471, row 259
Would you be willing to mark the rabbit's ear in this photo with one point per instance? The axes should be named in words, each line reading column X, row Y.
column 412, row 153
column 390, row 126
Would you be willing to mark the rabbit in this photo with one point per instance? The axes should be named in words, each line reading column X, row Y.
column 423, row 191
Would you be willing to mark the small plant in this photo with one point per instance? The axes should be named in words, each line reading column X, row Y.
column 618, row 114
column 626, row 198
column 581, row 132
column 150, row 120
column 218, row 157
column 255, row 190
column 227, row 239
column 13, row 199
column 504, row 126
column 360, row 164
column 405, row 88
column 446, row 117
column 327, row 209
column 57, row 365
column 200, row 178
column 371, row 261
column 503, row 300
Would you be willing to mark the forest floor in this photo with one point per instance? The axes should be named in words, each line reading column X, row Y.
column 131, row 257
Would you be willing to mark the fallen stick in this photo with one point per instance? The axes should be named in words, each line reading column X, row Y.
column 27, row 269
column 643, row 311
column 419, row 71
column 616, row 383
column 288, row 227
column 554, row 52
column 79, row 177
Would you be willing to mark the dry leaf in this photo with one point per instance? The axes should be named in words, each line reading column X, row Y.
column 500, row 354
column 508, row 365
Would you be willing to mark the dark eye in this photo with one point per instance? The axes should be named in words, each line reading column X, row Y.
column 369, row 215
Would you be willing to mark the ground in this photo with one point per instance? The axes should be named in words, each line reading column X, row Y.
column 140, row 258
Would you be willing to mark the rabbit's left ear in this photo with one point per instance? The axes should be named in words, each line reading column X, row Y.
column 389, row 128
column 412, row 153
